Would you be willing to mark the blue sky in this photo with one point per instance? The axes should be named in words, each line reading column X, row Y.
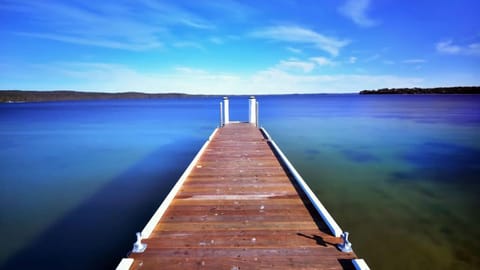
column 238, row 47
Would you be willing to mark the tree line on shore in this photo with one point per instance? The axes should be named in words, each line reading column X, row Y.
column 37, row 96
column 7, row 96
column 416, row 90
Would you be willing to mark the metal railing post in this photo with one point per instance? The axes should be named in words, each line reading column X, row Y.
column 226, row 112
column 221, row 114
column 252, row 105
column 257, row 114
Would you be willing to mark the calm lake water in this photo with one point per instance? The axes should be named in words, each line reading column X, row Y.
column 400, row 173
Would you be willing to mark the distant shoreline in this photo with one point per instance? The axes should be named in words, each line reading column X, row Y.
column 19, row 96
column 414, row 91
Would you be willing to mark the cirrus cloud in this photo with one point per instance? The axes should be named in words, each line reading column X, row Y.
column 448, row 47
column 322, row 61
column 297, row 65
column 111, row 77
column 300, row 35
column 356, row 10
column 107, row 24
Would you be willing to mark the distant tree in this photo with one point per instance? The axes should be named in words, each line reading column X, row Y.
column 416, row 90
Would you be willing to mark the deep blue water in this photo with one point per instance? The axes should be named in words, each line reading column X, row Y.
column 78, row 179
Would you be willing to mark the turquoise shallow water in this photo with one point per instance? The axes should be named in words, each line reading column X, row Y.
column 398, row 172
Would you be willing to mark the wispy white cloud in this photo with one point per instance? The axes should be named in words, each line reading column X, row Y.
column 306, row 66
column 296, row 65
column 133, row 45
column 111, row 77
column 145, row 24
column 190, row 70
column 294, row 50
column 356, row 10
column 297, row 34
column 274, row 80
column 115, row 77
column 448, row 47
column 372, row 58
column 188, row 44
column 173, row 14
column 323, row 61
column 220, row 40
column 352, row 60
column 414, row 61
column 217, row 40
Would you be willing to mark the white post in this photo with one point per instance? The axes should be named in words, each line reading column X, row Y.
column 221, row 114
column 252, row 112
column 256, row 115
column 226, row 112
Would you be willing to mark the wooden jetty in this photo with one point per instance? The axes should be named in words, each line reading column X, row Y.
column 241, row 205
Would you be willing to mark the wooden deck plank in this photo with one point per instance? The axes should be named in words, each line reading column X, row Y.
column 239, row 209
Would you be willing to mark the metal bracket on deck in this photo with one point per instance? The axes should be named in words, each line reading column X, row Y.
column 138, row 246
column 346, row 246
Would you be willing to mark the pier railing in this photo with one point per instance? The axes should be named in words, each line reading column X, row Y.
column 252, row 111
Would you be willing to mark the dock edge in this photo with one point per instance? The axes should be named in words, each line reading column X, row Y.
column 360, row 264
column 124, row 264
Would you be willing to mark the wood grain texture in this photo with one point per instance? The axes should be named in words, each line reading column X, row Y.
column 240, row 209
